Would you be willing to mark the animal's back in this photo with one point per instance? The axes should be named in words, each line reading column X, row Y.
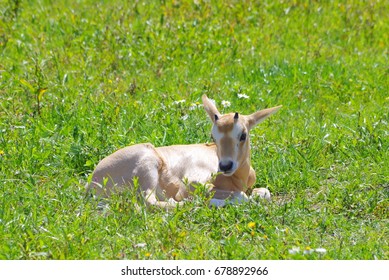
column 118, row 169
column 155, row 168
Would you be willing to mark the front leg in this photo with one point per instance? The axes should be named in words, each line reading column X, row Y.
column 261, row 192
column 252, row 178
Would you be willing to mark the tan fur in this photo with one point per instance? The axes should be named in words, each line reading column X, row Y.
column 166, row 174
column 225, row 124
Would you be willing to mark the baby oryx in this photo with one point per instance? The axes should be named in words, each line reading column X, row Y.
column 166, row 175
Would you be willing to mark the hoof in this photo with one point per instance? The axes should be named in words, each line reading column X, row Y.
column 262, row 193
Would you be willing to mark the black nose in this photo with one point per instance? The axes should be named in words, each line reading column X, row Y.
column 225, row 166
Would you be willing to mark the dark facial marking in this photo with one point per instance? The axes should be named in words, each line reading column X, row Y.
column 243, row 137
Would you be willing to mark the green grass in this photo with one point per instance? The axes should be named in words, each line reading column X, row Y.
column 80, row 79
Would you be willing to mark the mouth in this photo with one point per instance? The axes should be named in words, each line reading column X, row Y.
column 227, row 173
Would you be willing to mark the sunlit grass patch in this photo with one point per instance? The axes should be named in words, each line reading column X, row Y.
column 81, row 80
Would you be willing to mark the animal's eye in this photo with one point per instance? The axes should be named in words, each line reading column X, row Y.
column 243, row 137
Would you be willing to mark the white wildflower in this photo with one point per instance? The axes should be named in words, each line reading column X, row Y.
column 226, row 103
column 321, row 250
column 242, row 95
column 140, row 245
column 179, row 101
column 294, row 250
column 194, row 106
column 308, row 251
column 184, row 117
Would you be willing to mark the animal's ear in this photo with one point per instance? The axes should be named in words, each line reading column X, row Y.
column 211, row 109
column 260, row 116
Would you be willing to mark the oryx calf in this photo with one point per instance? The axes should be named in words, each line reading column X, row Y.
column 161, row 172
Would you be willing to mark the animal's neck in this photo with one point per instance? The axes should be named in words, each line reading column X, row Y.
column 241, row 175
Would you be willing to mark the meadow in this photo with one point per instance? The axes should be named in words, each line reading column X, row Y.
column 80, row 79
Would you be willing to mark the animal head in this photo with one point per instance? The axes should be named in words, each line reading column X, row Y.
column 231, row 135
